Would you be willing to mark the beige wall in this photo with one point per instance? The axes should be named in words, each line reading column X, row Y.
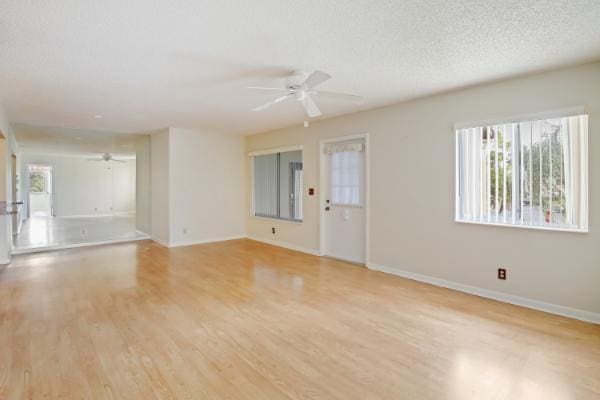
column 198, row 182
column 142, row 184
column 207, row 173
column 412, row 225
column 159, row 185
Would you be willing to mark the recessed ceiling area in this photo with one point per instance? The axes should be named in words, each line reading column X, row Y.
column 63, row 141
column 145, row 65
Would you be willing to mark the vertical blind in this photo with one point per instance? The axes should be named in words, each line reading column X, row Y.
column 277, row 185
column 531, row 173
column 266, row 185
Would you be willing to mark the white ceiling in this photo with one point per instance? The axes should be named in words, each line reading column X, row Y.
column 147, row 64
column 80, row 142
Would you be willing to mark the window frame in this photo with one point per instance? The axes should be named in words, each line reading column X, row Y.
column 571, row 112
column 279, row 150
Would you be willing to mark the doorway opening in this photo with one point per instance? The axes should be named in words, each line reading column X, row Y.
column 40, row 190
column 344, row 198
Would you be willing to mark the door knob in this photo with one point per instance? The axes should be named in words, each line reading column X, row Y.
column 326, row 208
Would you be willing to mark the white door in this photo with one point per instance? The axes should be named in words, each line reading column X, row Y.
column 344, row 216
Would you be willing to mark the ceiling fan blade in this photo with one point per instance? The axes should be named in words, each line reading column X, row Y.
column 315, row 79
column 272, row 102
column 311, row 108
column 267, row 88
column 339, row 96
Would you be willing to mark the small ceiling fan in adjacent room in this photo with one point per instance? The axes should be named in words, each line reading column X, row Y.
column 301, row 87
column 105, row 157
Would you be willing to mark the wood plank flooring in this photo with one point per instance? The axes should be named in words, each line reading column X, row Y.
column 245, row 320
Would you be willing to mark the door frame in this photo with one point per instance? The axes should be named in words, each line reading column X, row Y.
column 51, row 183
column 323, row 189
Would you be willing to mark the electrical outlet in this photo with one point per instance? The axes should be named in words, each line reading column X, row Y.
column 273, row 230
column 502, row 274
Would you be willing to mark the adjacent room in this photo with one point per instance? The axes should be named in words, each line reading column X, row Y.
column 78, row 187
column 300, row 200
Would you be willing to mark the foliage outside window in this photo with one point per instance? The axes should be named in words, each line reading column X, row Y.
column 37, row 182
column 530, row 174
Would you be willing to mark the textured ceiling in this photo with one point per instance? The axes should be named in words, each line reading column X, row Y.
column 147, row 64
column 42, row 140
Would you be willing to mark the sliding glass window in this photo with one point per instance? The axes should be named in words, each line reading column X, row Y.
column 277, row 185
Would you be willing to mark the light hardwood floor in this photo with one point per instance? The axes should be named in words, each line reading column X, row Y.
column 245, row 320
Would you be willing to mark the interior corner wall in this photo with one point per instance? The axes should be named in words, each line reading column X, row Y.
column 142, row 184
column 207, row 186
column 412, row 226
column 159, row 186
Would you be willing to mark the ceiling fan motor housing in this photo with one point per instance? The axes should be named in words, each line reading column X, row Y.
column 294, row 81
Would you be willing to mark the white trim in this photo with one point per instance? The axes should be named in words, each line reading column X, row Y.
column 560, row 113
column 7, row 261
column 204, row 241
column 323, row 190
column 285, row 245
column 273, row 151
column 159, row 241
column 103, row 215
column 75, row 245
column 287, row 221
column 534, row 227
column 569, row 312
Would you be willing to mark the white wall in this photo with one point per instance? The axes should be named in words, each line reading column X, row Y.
column 5, row 220
column 159, row 186
column 4, row 161
column 198, row 186
column 412, row 224
column 83, row 187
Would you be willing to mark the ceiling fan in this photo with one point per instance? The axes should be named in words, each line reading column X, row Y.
column 301, row 86
column 105, row 157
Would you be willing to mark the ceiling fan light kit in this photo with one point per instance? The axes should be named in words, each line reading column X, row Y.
column 301, row 86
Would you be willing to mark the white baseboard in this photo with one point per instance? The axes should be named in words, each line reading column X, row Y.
column 159, row 241
column 194, row 242
column 6, row 261
column 204, row 241
column 285, row 245
column 103, row 215
column 582, row 315
column 75, row 245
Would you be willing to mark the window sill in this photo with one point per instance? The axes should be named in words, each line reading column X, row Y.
column 537, row 228
column 287, row 221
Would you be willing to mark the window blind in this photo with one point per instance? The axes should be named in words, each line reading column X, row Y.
column 531, row 173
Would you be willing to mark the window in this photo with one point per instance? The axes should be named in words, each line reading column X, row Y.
column 345, row 177
column 38, row 178
column 277, row 185
column 528, row 174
